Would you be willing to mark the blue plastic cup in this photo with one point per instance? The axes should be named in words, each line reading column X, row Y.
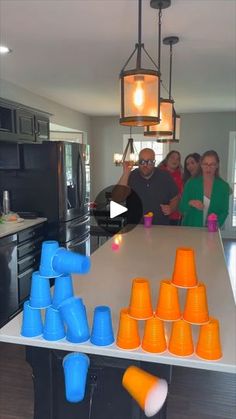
column 40, row 296
column 67, row 262
column 32, row 324
column 63, row 289
column 75, row 372
column 49, row 248
column 102, row 332
column 74, row 315
column 53, row 325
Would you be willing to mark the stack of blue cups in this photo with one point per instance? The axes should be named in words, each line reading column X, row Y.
column 56, row 263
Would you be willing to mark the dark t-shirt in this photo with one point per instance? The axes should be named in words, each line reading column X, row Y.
column 159, row 189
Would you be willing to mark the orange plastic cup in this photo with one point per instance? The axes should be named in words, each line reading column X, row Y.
column 181, row 341
column 149, row 391
column 140, row 306
column 184, row 274
column 196, row 307
column 208, row 345
column 128, row 335
column 168, row 302
column 154, row 336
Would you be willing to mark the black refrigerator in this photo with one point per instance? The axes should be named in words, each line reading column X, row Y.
column 53, row 180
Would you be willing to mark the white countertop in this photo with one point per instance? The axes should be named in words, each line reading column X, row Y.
column 150, row 253
column 14, row 227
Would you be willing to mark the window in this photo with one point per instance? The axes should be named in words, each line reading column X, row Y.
column 231, row 222
column 140, row 142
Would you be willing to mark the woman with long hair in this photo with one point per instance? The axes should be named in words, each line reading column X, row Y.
column 191, row 166
column 172, row 164
column 205, row 194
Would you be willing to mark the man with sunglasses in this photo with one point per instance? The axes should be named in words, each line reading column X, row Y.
column 149, row 187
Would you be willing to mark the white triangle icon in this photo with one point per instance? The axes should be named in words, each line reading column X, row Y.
column 116, row 209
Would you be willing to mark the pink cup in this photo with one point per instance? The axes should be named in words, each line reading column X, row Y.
column 212, row 223
column 147, row 221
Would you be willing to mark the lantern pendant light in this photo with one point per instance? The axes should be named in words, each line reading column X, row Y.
column 175, row 135
column 166, row 124
column 140, row 88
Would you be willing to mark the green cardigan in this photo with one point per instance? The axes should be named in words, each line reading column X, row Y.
column 219, row 202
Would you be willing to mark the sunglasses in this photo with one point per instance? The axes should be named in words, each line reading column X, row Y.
column 147, row 162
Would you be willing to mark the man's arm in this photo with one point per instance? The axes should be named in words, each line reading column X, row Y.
column 167, row 209
column 122, row 190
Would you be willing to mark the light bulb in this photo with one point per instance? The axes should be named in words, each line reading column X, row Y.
column 138, row 97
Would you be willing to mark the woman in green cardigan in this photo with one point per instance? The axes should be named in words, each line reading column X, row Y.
column 205, row 194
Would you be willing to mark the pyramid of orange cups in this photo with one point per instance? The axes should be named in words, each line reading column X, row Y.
column 195, row 312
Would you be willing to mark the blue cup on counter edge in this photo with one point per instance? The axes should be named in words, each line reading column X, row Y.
column 75, row 367
column 74, row 315
column 63, row 289
column 40, row 295
column 49, row 248
column 53, row 325
column 67, row 262
column 102, row 331
column 32, row 324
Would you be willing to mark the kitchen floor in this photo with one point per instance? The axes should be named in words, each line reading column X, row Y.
column 188, row 393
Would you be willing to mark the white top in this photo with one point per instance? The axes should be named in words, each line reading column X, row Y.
column 13, row 226
column 150, row 253
column 206, row 203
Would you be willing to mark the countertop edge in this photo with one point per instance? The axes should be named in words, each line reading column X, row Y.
column 6, row 229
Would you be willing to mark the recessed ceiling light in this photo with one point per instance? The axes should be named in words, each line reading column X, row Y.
column 4, row 49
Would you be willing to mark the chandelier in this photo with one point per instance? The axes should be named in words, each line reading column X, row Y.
column 130, row 154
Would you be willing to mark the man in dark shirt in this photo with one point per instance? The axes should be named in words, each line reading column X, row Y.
column 155, row 188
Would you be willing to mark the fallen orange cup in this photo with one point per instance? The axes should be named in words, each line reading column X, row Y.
column 149, row 391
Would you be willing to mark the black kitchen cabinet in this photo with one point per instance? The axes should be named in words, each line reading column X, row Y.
column 7, row 122
column 22, row 123
column 28, row 258
column 105, row 398
column 41, row 128
column 25, row 125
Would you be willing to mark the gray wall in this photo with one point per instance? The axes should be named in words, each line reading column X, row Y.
column 60, row 114
column 199, row 132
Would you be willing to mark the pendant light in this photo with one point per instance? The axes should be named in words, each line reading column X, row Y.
column 166, row 124
column 140, row 88
column 175, row 135
column 130, row 154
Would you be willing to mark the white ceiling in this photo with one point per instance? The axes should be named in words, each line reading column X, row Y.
column 71, row 51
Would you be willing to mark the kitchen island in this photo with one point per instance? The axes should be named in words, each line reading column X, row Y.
column 147, row 253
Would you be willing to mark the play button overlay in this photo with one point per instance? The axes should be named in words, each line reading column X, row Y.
column 116, row 209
